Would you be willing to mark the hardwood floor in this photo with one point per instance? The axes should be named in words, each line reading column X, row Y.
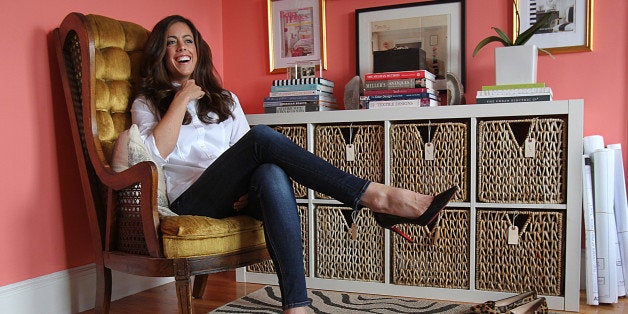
column 222, row 288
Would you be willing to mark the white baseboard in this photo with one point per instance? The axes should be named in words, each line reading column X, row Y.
column 68, row 291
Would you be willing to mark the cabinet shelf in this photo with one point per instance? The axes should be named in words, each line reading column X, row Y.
column 560, row 208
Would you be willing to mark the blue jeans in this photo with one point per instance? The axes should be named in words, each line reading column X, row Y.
column 262, row 163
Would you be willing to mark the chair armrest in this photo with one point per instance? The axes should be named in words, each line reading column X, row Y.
column 144, row 174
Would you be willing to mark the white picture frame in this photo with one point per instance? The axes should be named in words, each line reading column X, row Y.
column 417, row 13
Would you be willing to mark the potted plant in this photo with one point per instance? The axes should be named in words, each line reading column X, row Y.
column 515, row 63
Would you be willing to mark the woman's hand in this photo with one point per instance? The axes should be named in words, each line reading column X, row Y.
column 241, row 203
column 189, row 91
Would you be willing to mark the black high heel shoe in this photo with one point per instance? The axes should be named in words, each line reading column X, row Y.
column 438, row 203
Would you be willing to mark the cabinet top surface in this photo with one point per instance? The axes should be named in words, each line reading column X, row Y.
column 440, row 112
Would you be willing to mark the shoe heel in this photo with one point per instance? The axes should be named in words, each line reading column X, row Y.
column 401, row 233
column 388, row 222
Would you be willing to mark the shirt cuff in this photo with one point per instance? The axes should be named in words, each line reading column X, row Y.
column 152, row 146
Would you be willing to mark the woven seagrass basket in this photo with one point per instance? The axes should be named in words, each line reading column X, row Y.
column 330, row 143
column 339, row 255
column 411, row 170
column 298, row 134
column 267, row 267
column 535, row 263
column 506, row 175
column 438, row 257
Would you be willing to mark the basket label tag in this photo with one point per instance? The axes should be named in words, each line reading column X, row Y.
column 350, row 152
column 513, row 235
column 530, row 148
column 429, row 151
column 354, row 231
column 435, row 235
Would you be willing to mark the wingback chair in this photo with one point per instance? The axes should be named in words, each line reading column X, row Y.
column 98, row 58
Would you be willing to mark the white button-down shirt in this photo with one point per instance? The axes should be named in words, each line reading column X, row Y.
column 199, row 144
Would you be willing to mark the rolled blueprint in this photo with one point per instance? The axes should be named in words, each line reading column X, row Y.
column 590, row 256
column 592, row 143
column 621, row 208
column 606, row 231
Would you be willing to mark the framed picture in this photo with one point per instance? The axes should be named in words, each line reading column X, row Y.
column 305, row 69
column 296, row 33
column 434, row 29
column 570, row 29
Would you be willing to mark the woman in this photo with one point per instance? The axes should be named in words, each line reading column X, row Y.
column 215, row 166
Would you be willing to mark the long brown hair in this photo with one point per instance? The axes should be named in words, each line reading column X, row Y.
column 157, row 87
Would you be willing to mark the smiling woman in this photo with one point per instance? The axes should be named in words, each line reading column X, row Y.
column 218, row 167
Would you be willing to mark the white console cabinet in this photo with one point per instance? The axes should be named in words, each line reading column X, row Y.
column 517, row 164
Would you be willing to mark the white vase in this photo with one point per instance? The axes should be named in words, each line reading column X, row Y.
column 515, row 64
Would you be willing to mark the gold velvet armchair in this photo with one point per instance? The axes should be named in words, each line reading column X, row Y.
column 98, row 58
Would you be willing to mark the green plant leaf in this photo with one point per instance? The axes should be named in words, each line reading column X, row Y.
column 487, row 40
column 504, row 37
column 525, row 36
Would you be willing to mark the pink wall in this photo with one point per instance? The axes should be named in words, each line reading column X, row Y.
column 43, row 220
column 599, row 77
column 43, row 224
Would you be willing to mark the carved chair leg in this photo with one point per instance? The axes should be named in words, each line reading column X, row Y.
column 184, row 294
column 182, row 284
column 200, row 282
column 103, row 289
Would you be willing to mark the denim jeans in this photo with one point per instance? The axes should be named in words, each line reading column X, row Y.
column 262, row 163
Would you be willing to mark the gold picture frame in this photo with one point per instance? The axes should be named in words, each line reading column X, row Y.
column 296, row 33
column 570, row 31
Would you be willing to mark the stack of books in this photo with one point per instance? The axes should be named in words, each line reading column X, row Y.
column 493, row 94
column 300, row 95
column 399, row 89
